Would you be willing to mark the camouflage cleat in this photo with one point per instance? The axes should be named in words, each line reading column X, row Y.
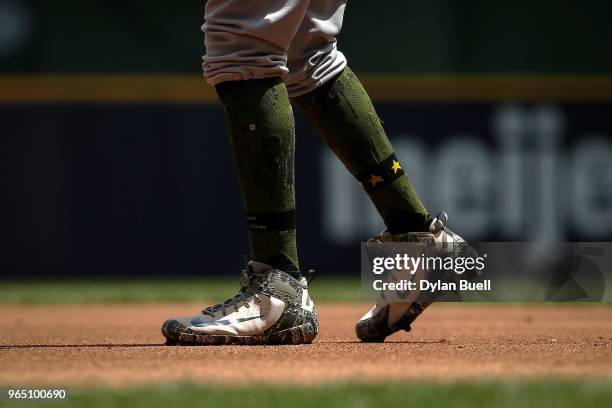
column 272, row 307
column 388, row 317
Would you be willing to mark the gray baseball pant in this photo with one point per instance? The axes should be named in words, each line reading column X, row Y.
column 291, row 39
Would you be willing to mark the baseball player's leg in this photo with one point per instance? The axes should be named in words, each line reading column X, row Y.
column 338, row 107
column 344, row 115
column 246, row 54
column 261, row 129
column 246, row 61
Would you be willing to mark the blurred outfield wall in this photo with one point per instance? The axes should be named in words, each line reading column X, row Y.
column 442, row 36
column 115, row 158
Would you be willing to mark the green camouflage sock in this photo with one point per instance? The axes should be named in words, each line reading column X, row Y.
column 262, row 133
column 341, row 111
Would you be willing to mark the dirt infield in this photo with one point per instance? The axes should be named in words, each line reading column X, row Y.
column 120, row 345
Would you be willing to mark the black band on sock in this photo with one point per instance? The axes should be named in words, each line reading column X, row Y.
column 282, row 262
column 381, row 175
column 276, row 221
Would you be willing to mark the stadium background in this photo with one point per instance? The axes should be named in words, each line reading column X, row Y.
column 115, row 160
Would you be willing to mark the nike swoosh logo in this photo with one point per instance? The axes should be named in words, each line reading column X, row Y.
column 223, row 322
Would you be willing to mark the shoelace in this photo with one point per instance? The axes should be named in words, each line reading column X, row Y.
column 250, row 284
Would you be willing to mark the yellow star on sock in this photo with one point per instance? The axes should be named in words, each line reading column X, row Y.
column 396, row 166
column 375, row 180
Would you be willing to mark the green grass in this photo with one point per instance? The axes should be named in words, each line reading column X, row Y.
column 155, row 290
column 159, row 290
column 539, row 394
